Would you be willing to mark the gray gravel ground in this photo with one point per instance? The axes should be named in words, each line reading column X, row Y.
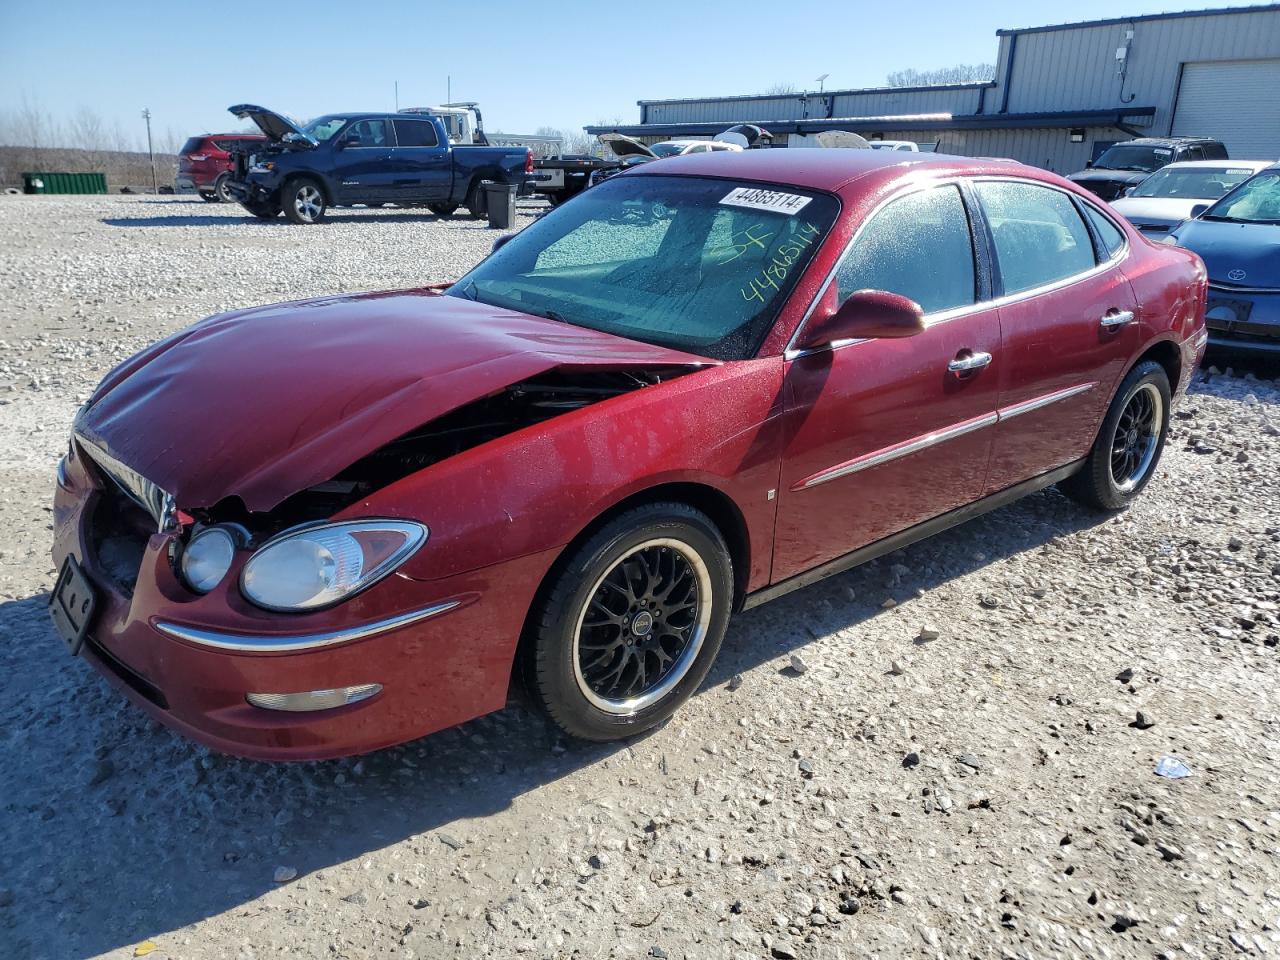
column 843, row 786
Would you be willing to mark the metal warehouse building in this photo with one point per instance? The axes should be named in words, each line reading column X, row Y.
column 1060, row 96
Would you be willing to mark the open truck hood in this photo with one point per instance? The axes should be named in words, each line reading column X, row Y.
column 266, row 402
column 624, row 147
column 276, row 126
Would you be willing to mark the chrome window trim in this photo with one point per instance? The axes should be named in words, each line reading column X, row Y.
column 942, row 316
column 885, row 455
column 298, row 642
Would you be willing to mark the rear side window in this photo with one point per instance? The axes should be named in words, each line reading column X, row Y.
column 416, row 133
column 918, row 246
column 192, row 145
column 1111, row 236
column 1038, row 234
column 1214, row 151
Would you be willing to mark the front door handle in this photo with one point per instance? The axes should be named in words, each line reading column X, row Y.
column 1114, row 319
column 969, row 362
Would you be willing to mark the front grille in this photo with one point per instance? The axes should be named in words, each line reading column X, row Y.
column 117, row 531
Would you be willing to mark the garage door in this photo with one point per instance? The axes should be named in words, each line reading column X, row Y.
column 1235, row 101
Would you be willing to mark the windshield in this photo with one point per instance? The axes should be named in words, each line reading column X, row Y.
column 322, row 128
column 1128, row 157
column 684, row 262
column 1254, row 201
column 1192, row 183
column 667, row 149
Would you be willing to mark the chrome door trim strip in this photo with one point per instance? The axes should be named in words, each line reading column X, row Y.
column 298, row 642
column 942, row 316
column 877, row 457
column 1035, row 403
column 924, row 441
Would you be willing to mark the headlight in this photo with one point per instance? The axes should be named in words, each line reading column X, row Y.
column 207, row 558
column 314, row 567
column 265, row 166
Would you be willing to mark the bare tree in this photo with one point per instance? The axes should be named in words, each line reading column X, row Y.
column 780, row 89
column 960, row 73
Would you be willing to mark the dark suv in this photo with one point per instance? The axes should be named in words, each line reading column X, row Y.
column 205, row 164
column 1127, row 164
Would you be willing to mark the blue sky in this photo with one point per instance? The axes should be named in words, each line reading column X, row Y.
column 580, row 63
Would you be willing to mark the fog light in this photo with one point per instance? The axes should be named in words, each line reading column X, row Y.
column 314, row 699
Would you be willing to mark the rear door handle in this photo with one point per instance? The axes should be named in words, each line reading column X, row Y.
column 1116, row 318
column 969, row 362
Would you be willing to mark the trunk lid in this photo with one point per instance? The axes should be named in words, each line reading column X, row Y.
column 624, row 147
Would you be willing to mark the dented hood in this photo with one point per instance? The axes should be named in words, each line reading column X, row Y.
column 266, row 402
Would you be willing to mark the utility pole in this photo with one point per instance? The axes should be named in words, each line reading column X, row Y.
column 155, row 184
column 397, row 96
column 448, row 88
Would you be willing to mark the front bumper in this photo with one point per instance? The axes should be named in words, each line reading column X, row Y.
column 442, row 650
column 1243, row 319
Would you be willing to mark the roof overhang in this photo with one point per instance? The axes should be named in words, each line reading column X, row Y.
column 1120, row 118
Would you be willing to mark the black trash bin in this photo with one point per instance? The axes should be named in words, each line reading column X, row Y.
column 500, row 199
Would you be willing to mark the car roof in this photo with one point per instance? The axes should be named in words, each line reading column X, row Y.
column 1254, row 165
column 819, row 168
column 1143, row 141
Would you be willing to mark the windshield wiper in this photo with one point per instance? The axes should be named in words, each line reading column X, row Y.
column 1223, row 219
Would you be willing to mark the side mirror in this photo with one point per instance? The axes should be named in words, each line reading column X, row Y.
column 501, row 242
column 1088, row 164
column 1198, row 209
column 1127, row 191
column 866, row 315
column 346, row 142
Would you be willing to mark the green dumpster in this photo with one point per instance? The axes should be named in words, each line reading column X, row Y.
column 64, row 183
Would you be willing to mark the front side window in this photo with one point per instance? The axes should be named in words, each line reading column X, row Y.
column 368, row 133
column 1192, row 183
column 918, row 246
column 1038, row 234
column 1254, row 201
column 685, row 262
column 415, row 133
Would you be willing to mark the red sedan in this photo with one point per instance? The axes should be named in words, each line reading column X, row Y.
column 321, row 528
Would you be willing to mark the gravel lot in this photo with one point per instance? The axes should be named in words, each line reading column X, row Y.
column 850, row 783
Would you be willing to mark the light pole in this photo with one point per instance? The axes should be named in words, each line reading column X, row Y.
column 155, row 184
column 821, row 80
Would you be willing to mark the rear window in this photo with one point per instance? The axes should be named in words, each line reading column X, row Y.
column 192, row 145
column 227, row 144
column 416, row 133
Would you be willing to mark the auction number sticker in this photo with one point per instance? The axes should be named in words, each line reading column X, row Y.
column 772, row 200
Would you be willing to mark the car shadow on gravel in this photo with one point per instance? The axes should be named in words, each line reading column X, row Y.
column 114, row 830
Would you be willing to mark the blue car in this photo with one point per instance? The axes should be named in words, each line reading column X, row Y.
column 1238, row 238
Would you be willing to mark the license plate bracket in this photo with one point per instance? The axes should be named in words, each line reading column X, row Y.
column 72, row 605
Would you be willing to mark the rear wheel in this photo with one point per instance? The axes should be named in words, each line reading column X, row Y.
column 1127, row 450
column 442, row 209
column 220, row 190
column 632, row 622
column 475, row 202
column 303, row 201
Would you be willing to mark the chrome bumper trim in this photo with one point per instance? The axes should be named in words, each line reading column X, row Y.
column 304, row 641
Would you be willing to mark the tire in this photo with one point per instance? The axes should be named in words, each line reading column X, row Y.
column 474, row 203
column 555, row 199
column 263, row 211
column 442, row 209
column 653, row 565
column 1127, row 450
column 210, row 197
column 303, row 201
column 220, row 191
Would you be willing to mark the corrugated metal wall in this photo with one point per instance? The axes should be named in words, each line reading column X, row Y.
column 1051, row 149
column 1077, row 68
column 869, row 103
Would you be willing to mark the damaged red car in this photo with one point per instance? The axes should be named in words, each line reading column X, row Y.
column 320, row 528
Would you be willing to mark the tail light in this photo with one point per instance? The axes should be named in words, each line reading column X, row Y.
column 528, row 161
column 198, row 156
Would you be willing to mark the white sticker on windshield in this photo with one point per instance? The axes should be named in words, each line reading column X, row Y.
column 1232, row 172
column 772, row 200
column 1161, row 152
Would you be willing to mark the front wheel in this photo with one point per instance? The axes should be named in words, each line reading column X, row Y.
column 1127, row 450
column 303, row 201
column 442, row 209
column 632, row 622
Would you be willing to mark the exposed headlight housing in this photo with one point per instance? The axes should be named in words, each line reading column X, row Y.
column 264, row 166
column 312, row 567
column 207, row 557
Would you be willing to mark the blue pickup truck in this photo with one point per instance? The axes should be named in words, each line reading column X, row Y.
column 369, row 158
